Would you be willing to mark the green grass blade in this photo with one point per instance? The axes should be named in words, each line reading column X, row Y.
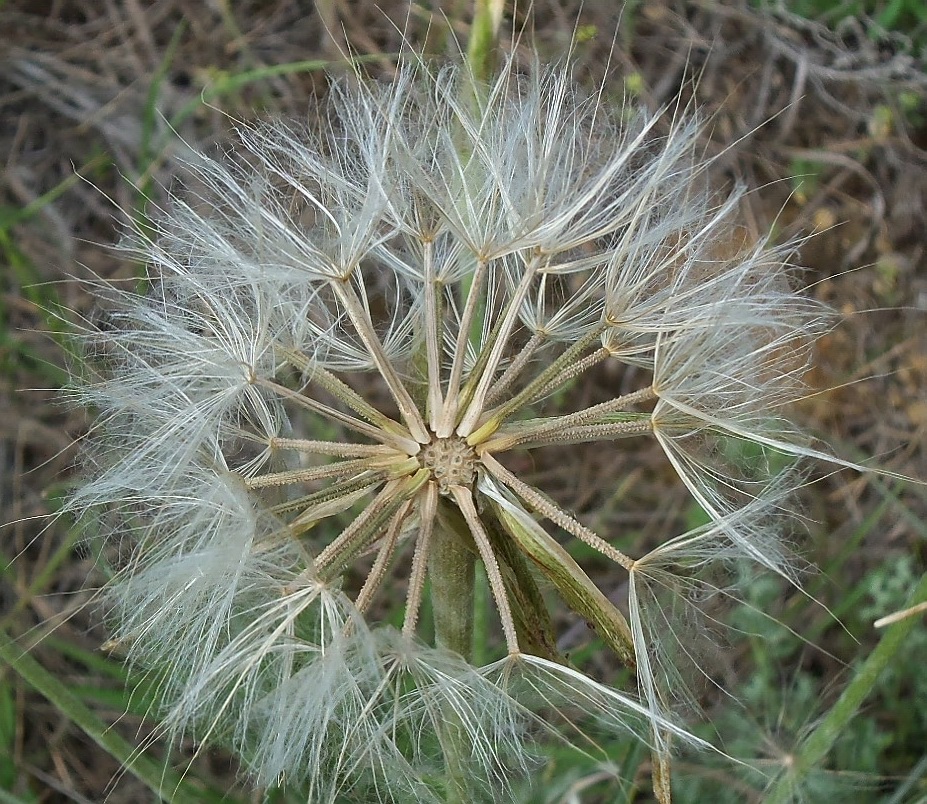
column 9, row 798
column 164, row 782
column 10, row 216
column 43, row 578
column 815, row 748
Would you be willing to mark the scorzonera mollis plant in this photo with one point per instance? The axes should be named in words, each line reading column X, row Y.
column 307, row 423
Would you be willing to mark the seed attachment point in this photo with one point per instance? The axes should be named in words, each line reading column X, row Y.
column 451, row 461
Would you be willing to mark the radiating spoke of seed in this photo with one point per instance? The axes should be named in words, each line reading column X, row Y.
column 384, row 556
column 427, row 511
column 476, row 370
column 361, row 321
column 569, row 373
column 544, row 505
column 514, row 369
column 493, row 419
column 365, row 481
column 608, row 431
column 523, row 432
column 356, row 536
column 447, row 420
column 291, row 476
column 338, row 449
column 403, row 442
column 318, row 375
column 464, row 499
column 501, row 342
column 433, row 335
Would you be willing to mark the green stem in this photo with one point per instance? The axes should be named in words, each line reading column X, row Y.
column 450, row 566
column 821, row 740
column 451, row 571
column 484, row 37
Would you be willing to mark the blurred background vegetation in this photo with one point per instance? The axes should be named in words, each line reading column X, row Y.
column 820, row 106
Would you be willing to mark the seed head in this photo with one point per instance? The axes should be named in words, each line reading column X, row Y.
column 349, row 331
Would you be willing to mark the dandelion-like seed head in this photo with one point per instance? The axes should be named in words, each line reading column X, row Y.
column 348, row 332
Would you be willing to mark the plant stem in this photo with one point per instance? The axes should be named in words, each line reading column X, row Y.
column 451, row 571
column 821, row 740
column 450, row 565
column 484, row 37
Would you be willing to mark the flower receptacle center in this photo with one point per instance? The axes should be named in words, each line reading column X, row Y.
column 451, row 461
